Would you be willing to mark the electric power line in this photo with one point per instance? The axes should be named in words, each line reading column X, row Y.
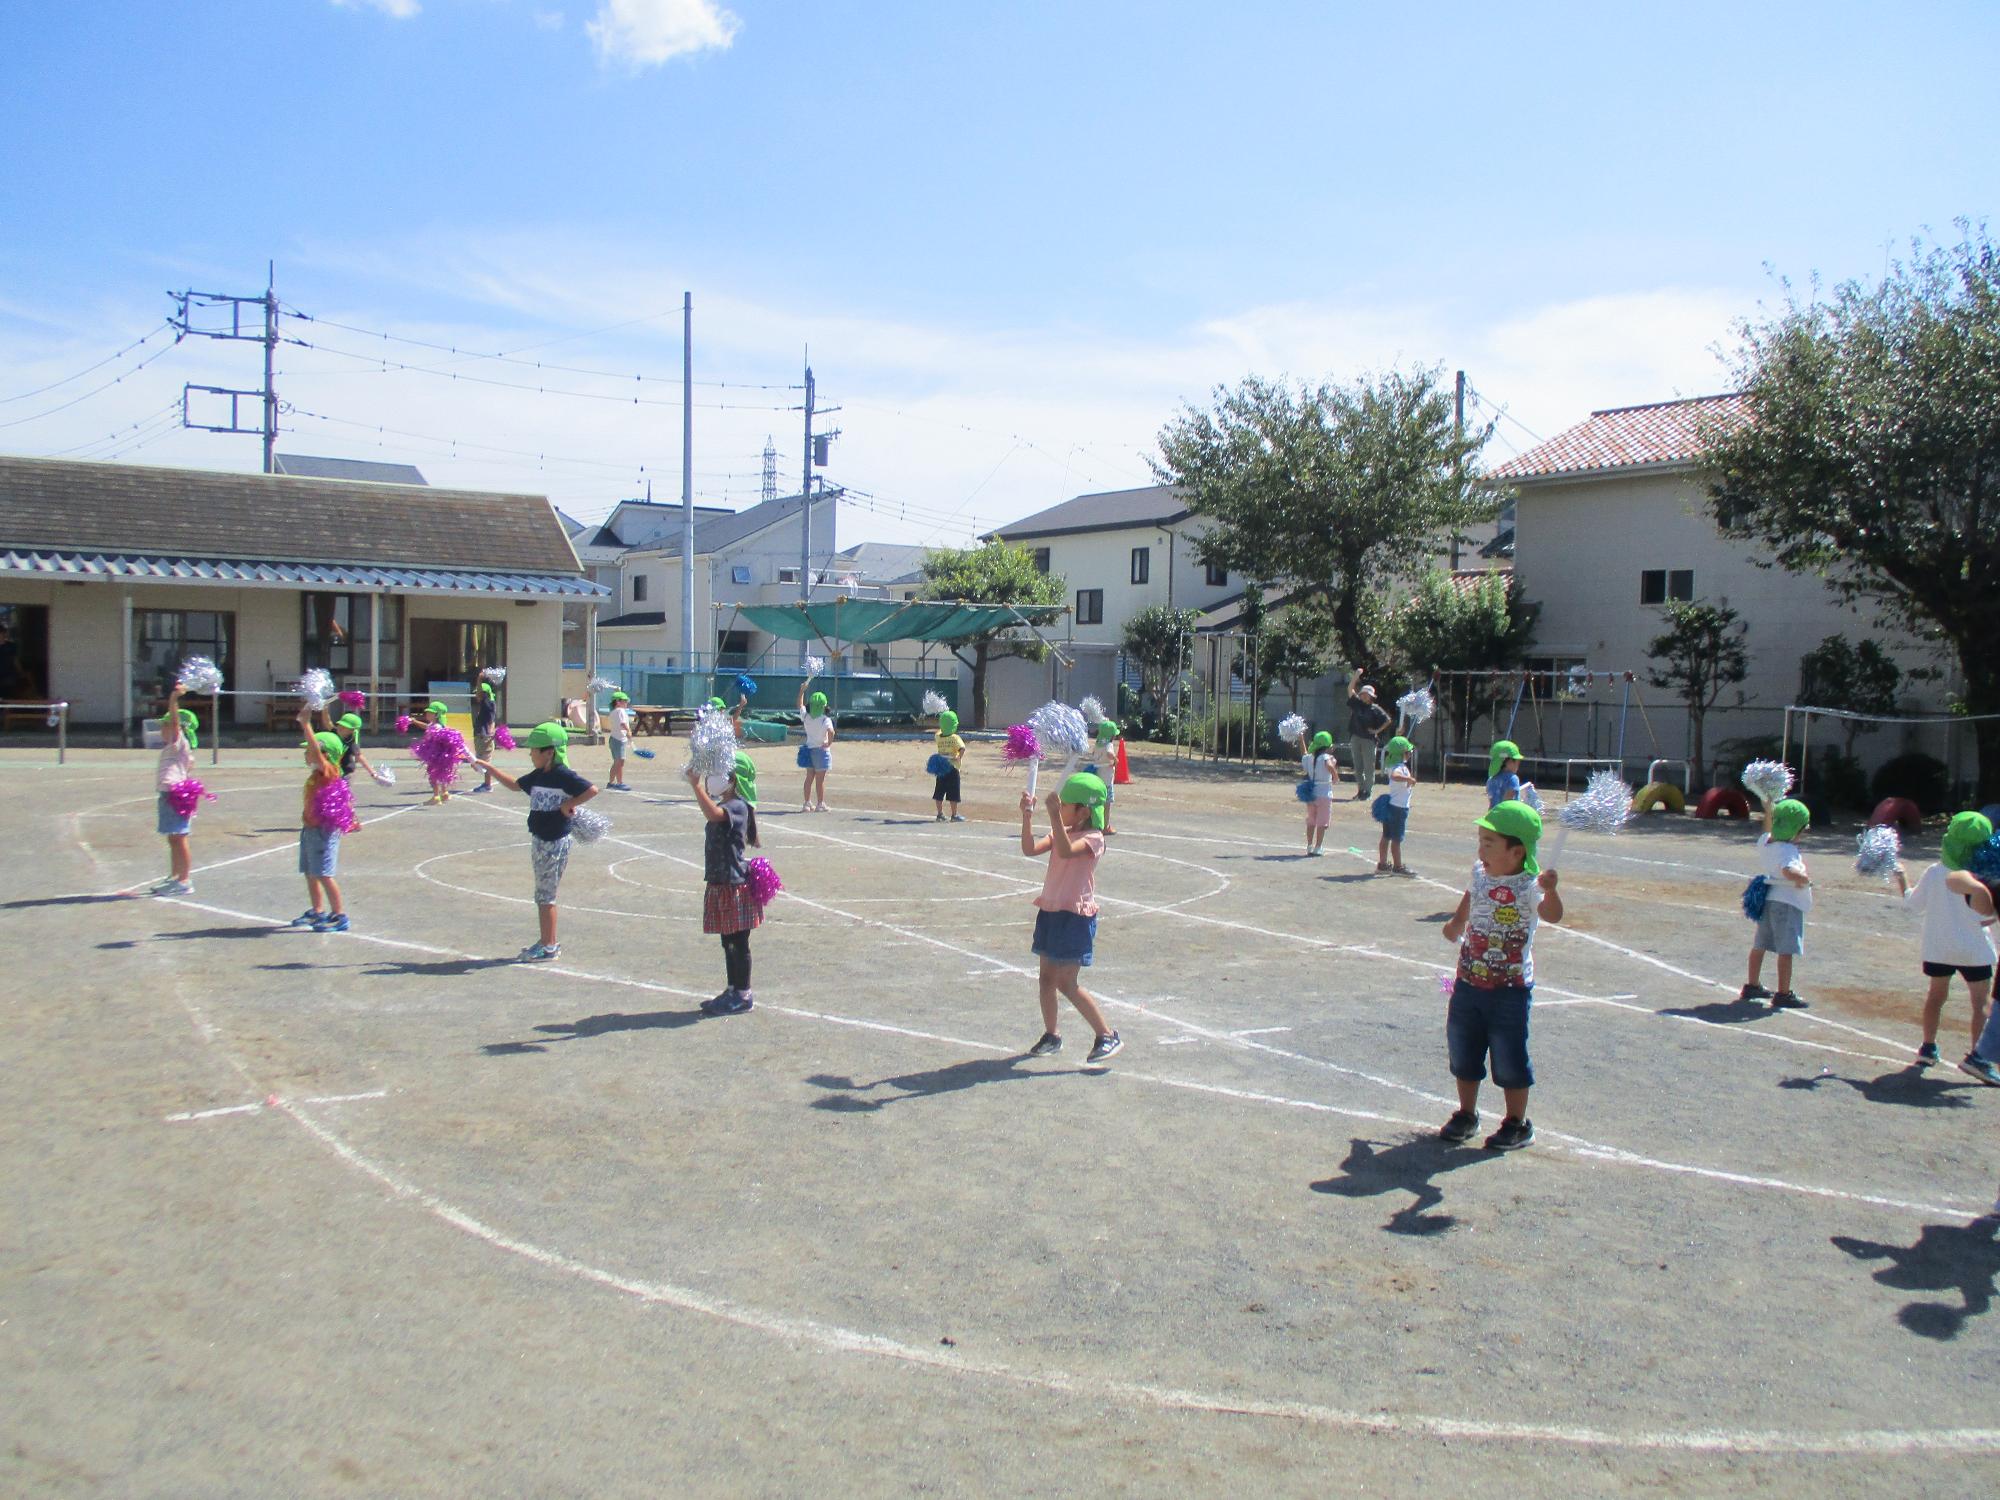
column 94, row 390
column 150, row 335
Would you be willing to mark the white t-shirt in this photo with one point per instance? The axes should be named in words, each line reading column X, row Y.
column 176, row 763
column 1402, row 785
column 621, row 722
column 1778, row 857
column 1320, row 768
column 816, row 727
column 1952, row 930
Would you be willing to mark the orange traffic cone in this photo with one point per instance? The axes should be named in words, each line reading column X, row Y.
column 1122, row 776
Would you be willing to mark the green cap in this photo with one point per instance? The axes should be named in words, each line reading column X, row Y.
column 1396, row 751
column 1962, row 839
column 717, row 703
column 621, row 696
column 947, row 722
column 1502, row 752
column 549, row 735
column 1107, row 731
column 330, row 745
column 1517, row 820
column 435, row 707
column 189, row 724
column 486, row 687
column 349, row 721
column 1789, row 819
column 1088, row 791
column 744, row 769
column 1321, row 741
column 817, row 703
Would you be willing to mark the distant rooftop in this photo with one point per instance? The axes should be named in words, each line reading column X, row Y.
column 361, row 470
column 1662, row 434
column 1108, row 510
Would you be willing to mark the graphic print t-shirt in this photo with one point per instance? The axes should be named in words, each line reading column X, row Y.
column 547, row 792
column 1497, row 950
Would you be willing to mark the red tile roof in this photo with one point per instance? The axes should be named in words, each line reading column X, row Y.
column 1626, row 437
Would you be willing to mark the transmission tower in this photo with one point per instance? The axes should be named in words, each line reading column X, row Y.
column 770, row 491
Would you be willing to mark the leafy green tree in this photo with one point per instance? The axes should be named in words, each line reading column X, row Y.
column 1860, row 679
column 1700, row 654
column 1161, row 641
column 993, row 574
column 1867, row 452
column 1485, row 628
column 1340, row 491
column 1295, row 647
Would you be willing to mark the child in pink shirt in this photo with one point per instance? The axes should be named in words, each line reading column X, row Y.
column 1066, row 922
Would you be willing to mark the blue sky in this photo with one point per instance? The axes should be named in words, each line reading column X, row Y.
column 1015, row 237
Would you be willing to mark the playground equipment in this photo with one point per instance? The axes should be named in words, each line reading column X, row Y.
column 1562, row 717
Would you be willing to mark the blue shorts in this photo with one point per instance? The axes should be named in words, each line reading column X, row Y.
column 319, row 852
column 1781, row 930
column 170, row 822
column 1110, row 783
column 618, row 747
column 1064, row 937
column 815, row 759
column 1479, row 1021
column 1394, row 821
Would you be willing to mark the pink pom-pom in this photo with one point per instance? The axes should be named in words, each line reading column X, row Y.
column 354, row 698
column 504, row 737
column 403, row 723
column 442, row 750
column 184, row 795
column 1021, row 744
column 1447, row 983
column 764, row 882
column 333, row 807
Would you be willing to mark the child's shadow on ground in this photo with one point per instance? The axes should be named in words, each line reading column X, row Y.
column 1912, row 1086
column 845, row 1095
column 1962, row 1258
column 1724, row 1013
column 589, row 1026
column 69, row 901
column 443, row 968
column 1354, row 879
column 195, row 934
column 1372, row 1169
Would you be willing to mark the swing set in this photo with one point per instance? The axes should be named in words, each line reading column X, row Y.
column 1579, row 718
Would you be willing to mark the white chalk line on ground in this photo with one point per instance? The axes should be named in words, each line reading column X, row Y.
column 271, row 1103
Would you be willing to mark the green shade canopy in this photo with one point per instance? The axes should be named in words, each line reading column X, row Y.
column 873, row 621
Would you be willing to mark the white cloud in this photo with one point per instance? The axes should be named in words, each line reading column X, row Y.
column 549, row 20
column 400, row 10
column 646, row 33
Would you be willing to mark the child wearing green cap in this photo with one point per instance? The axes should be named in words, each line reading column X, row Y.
column 1066, row 910
column 1503, row 773
column 1957, row 937
column 1781, row 930
column 555, row 792
column 434, row 713
column 1104, row 743
column 620, row 738
column 1392, row 808
column 1322, row 769
column 319, row 845
column 816, row 754
column 1494, row 991
column 485, row 719
column 177, row 745
column 947, row 787
column 729, row 906
column 348, row 729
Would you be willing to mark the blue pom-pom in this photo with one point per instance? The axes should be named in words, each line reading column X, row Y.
column 938, row 765
column 746, row 685
column 1379, row 808
column 1755, row 895
column 1985, row 861
column 644, row 754
column 805, row 759
column 1304, row 790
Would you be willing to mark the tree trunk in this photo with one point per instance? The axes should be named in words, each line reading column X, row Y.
column 979, row 649
column 1697, row 721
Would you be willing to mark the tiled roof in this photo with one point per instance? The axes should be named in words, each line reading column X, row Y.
column 1109, row 510
column 1663, row 434
column 240, row 571
column 64, row 506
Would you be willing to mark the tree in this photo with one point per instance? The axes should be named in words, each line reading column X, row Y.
column 1161, row 640
column 1295, row 647
column 1441, row 627
column 1867, row 451
column 1700, row 655
column 993, row 574
column 1855, row 679
column 1333, row 490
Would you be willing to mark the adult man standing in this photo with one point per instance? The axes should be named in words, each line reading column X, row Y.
column 1366, row 720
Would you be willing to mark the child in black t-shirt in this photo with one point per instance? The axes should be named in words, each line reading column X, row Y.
column 729, row 904
column 554, row 794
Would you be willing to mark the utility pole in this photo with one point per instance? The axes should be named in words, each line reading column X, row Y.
column 687, row 498
column 190, row 305
column 1458, row 432
column 806, row 498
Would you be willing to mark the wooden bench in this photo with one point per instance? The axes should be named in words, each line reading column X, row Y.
column 652, row 718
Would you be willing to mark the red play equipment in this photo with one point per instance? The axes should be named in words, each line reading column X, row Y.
column 1898, row 810
column 1723, row 802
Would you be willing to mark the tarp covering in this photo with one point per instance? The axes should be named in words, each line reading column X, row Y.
column 873, row 621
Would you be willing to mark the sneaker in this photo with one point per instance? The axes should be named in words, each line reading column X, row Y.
column 1462, row 1126
column 333, row 922
column 735, row 1003
column 708, row 1006
column 1106, row 1045
column 484, row 786
column 1381, row 869
column 1786, row 1000
column 1927, row 1054
column 940, row 818
column 960, row 818
column 173, row 888
column 821, row 807
column 1404, row 870
column 308, row 918
column 535, row 953
column 1980, row 1068
column 1049, row 1043
column 1753, row 992
column 1512, row 1135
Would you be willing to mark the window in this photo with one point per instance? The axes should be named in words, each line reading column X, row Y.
column 732, row 648
column 1041, row 559
column 456, row 651
column 1142, row 564
column 788, row 575
column 739, row 572
column 639, row 582
column 337, row 632
column 1090, row 606
column 163, row 638
column 1217, row 577
column 870, row 657
column 1658, row 585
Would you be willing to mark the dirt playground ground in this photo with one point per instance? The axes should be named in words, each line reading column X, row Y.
column 385, row 1213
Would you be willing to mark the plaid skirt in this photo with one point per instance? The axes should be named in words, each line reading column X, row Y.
column 730, row 908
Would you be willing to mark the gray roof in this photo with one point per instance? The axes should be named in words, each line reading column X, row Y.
column 1109, row 510
column 880, row 562
column 607, row 535
column 723, row 531
column 646, row 617
column 60, row 505
column 150, row 568
column 304, row 466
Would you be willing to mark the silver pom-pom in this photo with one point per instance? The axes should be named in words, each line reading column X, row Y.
column 383, row 776
column 1292, row 728
column 1092, row 709
column 1604, row 806
column 712, row 743
column 1530, row 796
column 1877, row 850
column 934, row 704
column 1767, row 780
column 587, row 827
column 200, row 676
column 1416, row 706
column 1060, row 727
column 603, row 685
column 316, row 687
column 814, row 666
column 495, row 675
